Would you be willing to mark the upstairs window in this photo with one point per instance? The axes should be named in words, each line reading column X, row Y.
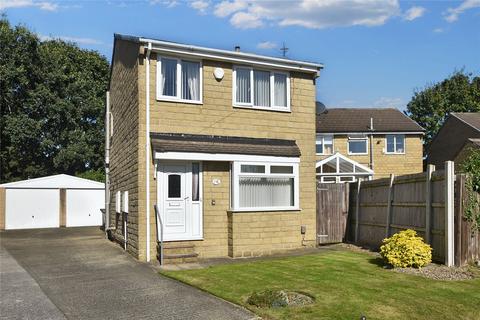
column 324, row 144
column 395, row 143
column 179, row 80
column 261, row 89
column 357, row 144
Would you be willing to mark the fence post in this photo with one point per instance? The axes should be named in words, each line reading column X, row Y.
column 389, row 206
column 458, row 230
column 357, row 210
column 449, row 212
column 428, row 204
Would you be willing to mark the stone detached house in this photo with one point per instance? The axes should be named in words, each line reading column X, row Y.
column 222, row 142
column 459, row 134
column 354, row 144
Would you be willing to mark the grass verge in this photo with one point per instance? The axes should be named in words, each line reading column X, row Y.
column 345, row 284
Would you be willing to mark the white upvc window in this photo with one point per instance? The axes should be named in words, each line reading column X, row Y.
column 261, row 89
column 179, row 80
column 395, row 144
column 357, row 145
column 260, row 186
column 324, row 144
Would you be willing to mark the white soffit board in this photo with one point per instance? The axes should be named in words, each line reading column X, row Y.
column 221, row 157
column 55, row 182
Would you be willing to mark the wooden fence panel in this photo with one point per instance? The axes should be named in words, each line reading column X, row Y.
column 332, row 212
column 409, row 196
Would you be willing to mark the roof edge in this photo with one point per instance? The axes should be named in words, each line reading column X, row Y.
column 455, row 114
column 305, row 66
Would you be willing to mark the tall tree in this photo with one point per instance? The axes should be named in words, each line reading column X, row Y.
column 52, row 97
column 431, row 105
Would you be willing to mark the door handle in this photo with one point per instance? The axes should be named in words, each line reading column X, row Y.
column 186, row 198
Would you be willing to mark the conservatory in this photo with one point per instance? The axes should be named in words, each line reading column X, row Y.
column 340, row 169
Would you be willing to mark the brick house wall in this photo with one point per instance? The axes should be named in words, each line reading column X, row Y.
column 385, row 164
column 216, row 116
column 124, row 143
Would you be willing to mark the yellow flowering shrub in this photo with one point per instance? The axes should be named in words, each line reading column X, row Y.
column 406, row 249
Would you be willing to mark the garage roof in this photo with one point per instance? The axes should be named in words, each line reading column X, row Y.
column 58, row 181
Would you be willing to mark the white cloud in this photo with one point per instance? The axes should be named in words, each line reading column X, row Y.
column 84, row 41
column 438, row 30
column 166, row 3
column 315, row 14
column 226, row 8
column 42, row 5
column 451, row 15
column 389, row 102
column 246, row 20
column 414, row 13
column 266, row 45
column 200, row 5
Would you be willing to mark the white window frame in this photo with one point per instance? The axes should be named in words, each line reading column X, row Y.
column 273, row 106
column 321, row 137
column 395, row 144
column 357, row 139
column 178, row 97
column 236, row 174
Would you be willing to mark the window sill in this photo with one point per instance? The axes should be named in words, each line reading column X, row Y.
column 323, row 154
column 284, row 110
column 166, row 99
column 394, row 153
column 263, row 210
column 358, row 154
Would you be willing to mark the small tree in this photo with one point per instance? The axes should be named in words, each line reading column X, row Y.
column 431, row 105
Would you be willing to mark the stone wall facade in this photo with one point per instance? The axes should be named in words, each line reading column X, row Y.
column 124, row 152
column 225, row 233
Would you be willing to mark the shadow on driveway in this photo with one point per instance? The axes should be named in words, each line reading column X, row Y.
column 87, row 277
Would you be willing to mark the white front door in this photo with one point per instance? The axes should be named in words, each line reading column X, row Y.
column 179, row 200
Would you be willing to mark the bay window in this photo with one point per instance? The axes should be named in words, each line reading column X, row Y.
column 179, row 80
column 324, row 144
column 261, row 89
column 357, row 144
column 395, row 143
column 264, row 186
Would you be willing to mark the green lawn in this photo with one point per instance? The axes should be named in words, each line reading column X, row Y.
column 345, row 284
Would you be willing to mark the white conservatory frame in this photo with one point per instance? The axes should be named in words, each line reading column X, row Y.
column 342, row 177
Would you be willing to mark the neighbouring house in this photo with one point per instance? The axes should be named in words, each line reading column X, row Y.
column 223, row 142
column 50, row 202
column 358, row 144
column 458, row 135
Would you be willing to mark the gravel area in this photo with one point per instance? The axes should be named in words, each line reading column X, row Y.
column 440, row 272
column 432, row 271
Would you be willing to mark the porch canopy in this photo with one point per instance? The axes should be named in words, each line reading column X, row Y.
column 176, row 146
column 337, row 168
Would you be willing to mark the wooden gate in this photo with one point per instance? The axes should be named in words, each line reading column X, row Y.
column 332, row 212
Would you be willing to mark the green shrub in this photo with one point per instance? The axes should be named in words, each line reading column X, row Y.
column 406, row 249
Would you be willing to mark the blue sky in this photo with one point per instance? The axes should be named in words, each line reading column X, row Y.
column 375, row 52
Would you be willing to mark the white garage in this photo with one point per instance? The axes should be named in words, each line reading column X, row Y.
column 51, row 202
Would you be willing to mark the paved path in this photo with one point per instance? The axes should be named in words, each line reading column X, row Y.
column 77, row 274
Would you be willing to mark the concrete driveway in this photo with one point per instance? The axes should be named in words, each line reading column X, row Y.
column 75, row 273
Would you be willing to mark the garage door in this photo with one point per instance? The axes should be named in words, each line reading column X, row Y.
column 83, row 207
column 32, row 208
